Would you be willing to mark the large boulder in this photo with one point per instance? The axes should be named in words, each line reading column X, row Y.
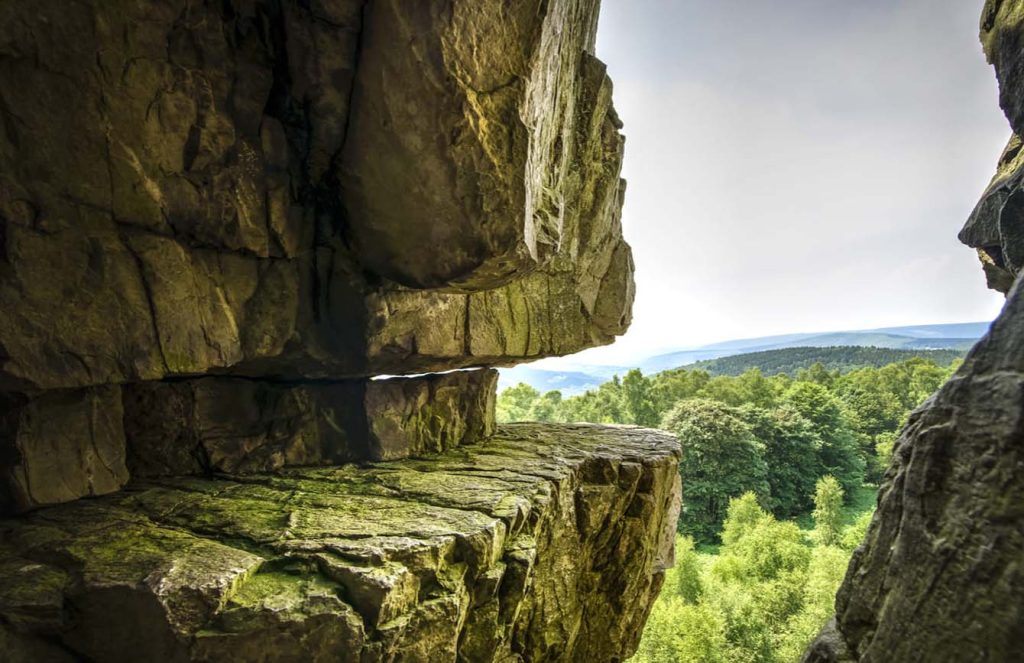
column 938, row 577
column 221, row 198
column 546, row 543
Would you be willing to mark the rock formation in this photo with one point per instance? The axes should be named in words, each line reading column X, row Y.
column 243, row 246
column 533, row 546
column 939, row 576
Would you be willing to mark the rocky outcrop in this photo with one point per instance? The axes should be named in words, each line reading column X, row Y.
column 245, row 245
column 996, row 227
column 222, row 198
column 545, row 543
column 939, row 577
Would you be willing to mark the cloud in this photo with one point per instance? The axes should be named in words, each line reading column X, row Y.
column 800, row 165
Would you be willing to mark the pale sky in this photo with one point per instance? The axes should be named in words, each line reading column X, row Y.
column 799, row 165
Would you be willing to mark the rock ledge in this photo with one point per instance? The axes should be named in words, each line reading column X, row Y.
column 544, row 543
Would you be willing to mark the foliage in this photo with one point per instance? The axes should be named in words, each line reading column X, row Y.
column 639, row 405
column 763, row 597
column 516, row 403
column 839, row 453
column 791, row 452
column 723, row 459
column 828, row 510
column 836, row 360
column 685, row 576
column 855, row 533
column 768, row 462
column 778, row 434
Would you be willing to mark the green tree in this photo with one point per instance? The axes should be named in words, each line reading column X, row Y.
column 742, row 516
column 721, row 459
column 839, row 453
column 685, row 576
column 792, row 447
column 680, row 632
column 818, row 374
column 546, row 407
column 828, row 510
column 824, row 575
column 854, row 535
column 516, row 403
column 638, row 402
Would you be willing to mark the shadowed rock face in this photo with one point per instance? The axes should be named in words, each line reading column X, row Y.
column 220, row 197
column 996, row 227
column 545, row 543
column 219, row 219
column 277, row 191
column 939, row 577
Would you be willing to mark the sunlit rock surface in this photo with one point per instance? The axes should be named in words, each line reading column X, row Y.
column 544, row 543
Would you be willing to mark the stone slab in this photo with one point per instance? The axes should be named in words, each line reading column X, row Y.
column 544, row 543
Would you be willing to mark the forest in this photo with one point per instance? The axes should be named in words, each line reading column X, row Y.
column 779, row 477
column 843, row 358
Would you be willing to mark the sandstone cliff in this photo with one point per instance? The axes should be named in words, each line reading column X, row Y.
column 243, row 245
column 939, row 575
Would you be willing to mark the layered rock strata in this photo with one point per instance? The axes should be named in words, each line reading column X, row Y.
column 66, row 444
column 221, row 223
column 939, row 577
column 544, row 543
column 328, row 190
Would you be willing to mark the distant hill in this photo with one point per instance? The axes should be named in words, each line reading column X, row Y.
column 959, row 336
column 569, row 383
column 842, row 358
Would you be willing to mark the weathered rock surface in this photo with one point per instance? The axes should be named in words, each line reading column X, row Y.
column 996, row 227
column 939, row 577
column 545, row 543
column 65, row 444
column 209, row 203
column 482, row 98
column 59, row 446
column 232, row 425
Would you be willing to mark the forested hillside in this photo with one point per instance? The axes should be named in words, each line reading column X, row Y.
column 840, row 358
column 779, row 474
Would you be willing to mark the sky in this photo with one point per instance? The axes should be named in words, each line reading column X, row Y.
column 798, row 165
